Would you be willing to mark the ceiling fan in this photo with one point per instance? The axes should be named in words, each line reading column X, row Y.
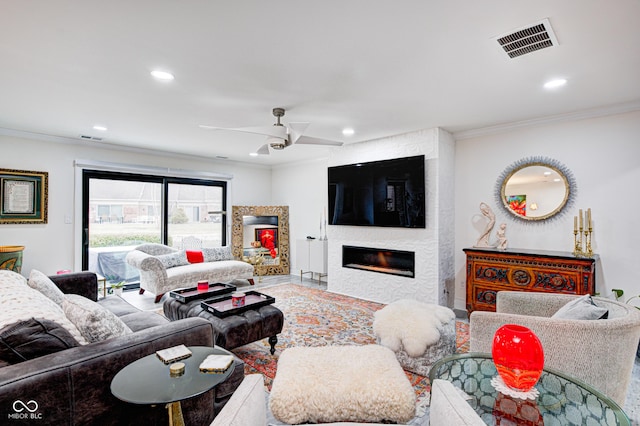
column 280, row 136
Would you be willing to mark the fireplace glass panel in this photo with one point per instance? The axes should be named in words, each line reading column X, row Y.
column 385, row 261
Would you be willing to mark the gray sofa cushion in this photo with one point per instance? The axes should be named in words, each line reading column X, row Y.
column 142, row 320
column 118, row 306
column 94, row 321
column 33, row 338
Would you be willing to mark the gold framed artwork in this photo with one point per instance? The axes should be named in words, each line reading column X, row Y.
column 23, row 196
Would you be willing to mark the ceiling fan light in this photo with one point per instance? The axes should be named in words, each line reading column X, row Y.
column 276, row 143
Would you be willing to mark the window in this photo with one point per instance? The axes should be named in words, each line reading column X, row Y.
column 123, row 210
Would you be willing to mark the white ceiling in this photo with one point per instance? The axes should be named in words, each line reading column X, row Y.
column 381, row 67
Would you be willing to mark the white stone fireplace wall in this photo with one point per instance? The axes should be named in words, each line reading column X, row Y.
column 433, row 245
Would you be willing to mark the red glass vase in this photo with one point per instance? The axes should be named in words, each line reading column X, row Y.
column 518, row 356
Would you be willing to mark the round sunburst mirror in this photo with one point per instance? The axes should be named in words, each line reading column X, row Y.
column 535, row 189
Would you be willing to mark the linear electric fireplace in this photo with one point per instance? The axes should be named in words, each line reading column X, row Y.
column 385, row 261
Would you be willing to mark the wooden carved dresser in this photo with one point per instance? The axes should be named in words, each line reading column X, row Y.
column 491, row 270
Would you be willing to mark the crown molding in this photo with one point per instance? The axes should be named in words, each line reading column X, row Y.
column 116, row 147
column 534, row 122
column 149, row 170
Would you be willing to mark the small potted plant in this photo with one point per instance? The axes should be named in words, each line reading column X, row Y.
column 116, row 287
column 620, row 293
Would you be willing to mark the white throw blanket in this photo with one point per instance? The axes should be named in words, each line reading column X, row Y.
column 410, row 325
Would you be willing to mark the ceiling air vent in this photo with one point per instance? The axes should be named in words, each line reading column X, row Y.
column 529, row 39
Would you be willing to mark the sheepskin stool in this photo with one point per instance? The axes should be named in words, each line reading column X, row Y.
column 419, row 333
column 341, row 384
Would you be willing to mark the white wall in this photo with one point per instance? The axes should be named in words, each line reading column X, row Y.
column 302, row 187
column 51, row 247
column 604, row 155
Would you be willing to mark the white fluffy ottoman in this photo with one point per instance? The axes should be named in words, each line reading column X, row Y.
column 419, row 333
column 341, row 383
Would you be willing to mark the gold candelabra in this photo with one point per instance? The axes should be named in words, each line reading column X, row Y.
column 582, row 247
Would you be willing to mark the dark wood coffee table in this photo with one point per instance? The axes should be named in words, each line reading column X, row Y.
column 147, row 381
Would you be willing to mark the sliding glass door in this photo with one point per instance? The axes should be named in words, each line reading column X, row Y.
column 123, row 210
column 195, row 215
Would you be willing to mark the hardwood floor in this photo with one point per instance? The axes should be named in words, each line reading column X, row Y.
column 145, row 301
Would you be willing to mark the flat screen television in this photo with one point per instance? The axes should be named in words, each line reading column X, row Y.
column 378, row 193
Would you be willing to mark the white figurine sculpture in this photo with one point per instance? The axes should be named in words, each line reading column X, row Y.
column 502, row 237
column 483, row 241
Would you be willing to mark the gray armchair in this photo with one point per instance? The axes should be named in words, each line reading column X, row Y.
column 600, row 353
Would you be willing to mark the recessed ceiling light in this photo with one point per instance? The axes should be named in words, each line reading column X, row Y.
column 162, row 75
column 556, row 180
column 348, row 131
column 554, row 84
column 99, row 127
column 546, row 173
column 253, row 154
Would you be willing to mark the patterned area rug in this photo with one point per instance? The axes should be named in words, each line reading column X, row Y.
column 315, row 317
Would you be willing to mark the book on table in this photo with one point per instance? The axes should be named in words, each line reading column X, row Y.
column 173, row 354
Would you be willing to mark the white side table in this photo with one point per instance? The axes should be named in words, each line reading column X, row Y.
column 312, row 257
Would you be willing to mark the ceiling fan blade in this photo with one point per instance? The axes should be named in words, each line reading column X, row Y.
column 263, row 150
column 296, row 129
column 307, row 140
column 274, row 131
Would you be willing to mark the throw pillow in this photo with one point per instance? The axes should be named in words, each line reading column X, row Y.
column 95, row 322
column 582, row 308
column 19, row 302
column 195, row 256
column 217, row 253
column 172, row 260
column 33, row 338
column 42, row 283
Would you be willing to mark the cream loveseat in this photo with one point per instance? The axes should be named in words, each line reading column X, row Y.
column 163, row 268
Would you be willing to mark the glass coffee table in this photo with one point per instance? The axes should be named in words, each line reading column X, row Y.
column 562, row 401
column 148, row 381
